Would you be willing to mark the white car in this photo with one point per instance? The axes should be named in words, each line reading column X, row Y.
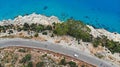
column 75, row 55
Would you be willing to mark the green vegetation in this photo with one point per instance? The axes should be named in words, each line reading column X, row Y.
column 19, row 28
column 72, row 64
column 63, row 62
column 22, row 50
column 36, row 35
column 113, row 46
column 44, row 33
column 26, row 58
column 30, row 64
column 97, row 41
column 83, row 66
column 61, row 29
column 110, row 44
column 1, row 65
column 45, row 55
column 11, row 57
column 39, row 28
column 99, row 55
column 71, row 27
column 26, row 27
column 10, row 31
column 48, row 27
column 40, row 64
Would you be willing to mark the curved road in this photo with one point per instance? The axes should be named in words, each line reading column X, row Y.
column 56, row 48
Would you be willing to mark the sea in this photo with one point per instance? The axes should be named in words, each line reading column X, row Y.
column 98, row 13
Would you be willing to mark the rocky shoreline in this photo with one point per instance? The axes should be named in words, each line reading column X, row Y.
column 111, row 35
column 44, row 20
column 67, row 40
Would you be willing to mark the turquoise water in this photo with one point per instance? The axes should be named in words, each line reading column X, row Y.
column 99, row 13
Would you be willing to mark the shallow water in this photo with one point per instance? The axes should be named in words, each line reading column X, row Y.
column 99, row 13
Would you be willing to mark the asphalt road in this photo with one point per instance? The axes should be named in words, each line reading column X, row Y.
column 56, row 48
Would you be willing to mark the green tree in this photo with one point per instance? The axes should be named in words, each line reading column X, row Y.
column 61, row 29
column 39, row 28
column 26, row 27
column 97, row 41
column 78, row 30
column 33, row 27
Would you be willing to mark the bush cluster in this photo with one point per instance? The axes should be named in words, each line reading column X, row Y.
column 64, row 62
column 71, row 27
column 26, row 58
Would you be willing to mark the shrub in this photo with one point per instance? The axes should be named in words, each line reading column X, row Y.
column 30, row 64
column 78, row 30
column 26, row 58
column 72, row 64
column 83, row 66
column 45, row 55
column 44, row 33
column 40, row 64
column 73, row 28
column 113, row 46
column 1, row 65
column 26, row 27
column 97, row 41
column 39, row 28
column 10, row 31
column 60, row 29
column 48, row 27
column 52, row 35
column 33, row 27
column 63, row 62
column 22, row 50
column 36, row 35
column 19, row 29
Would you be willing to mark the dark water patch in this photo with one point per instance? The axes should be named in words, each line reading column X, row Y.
column 99, row 25
column 45, row 7
column 98, row 9
column 87, row 17
column 106, row 27
column 71, row 17
column 94, row 26
column 96, row 21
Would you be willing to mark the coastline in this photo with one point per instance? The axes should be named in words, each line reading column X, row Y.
column 44, row 20
column 41, row 19
column 111, row 35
